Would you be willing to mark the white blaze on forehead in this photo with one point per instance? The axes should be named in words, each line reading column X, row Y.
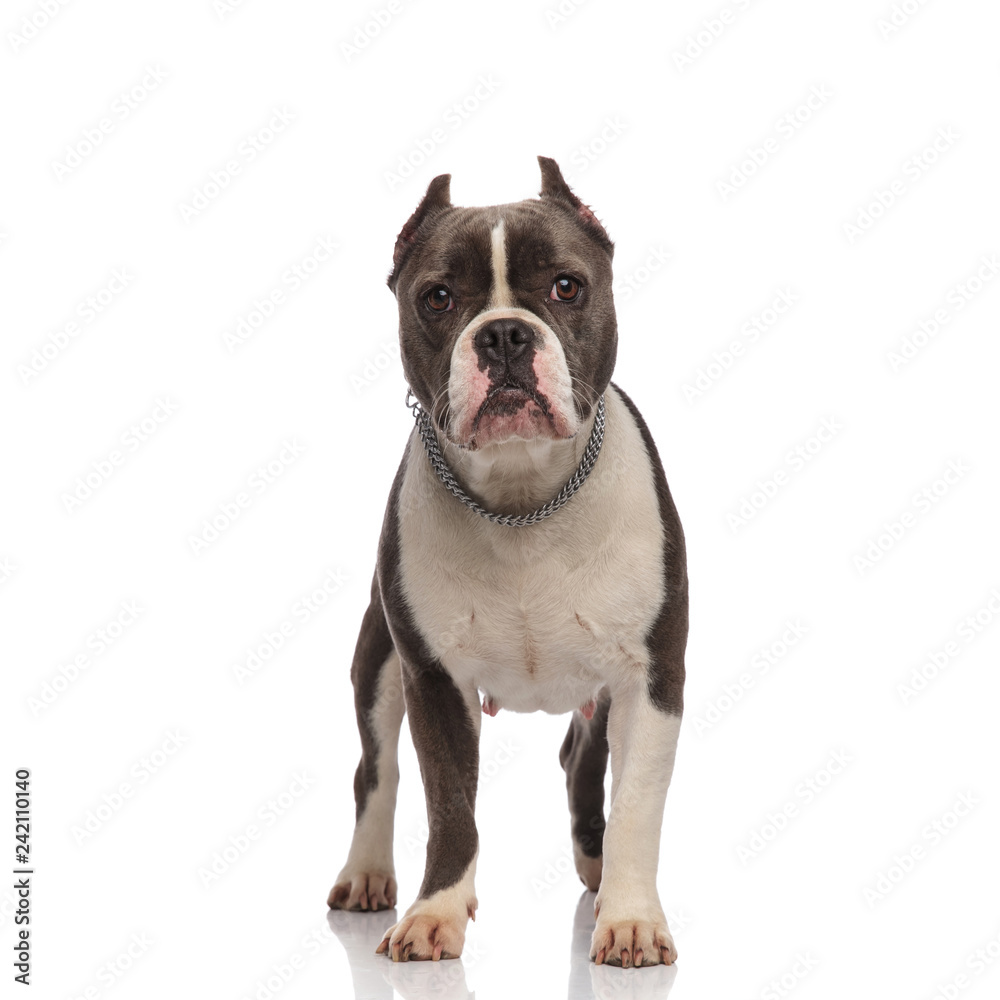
column 500, row 296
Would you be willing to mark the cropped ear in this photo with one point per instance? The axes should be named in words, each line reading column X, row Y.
column 438, row 197
column 554, row 186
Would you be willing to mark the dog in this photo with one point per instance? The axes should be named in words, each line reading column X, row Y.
column 531, row 555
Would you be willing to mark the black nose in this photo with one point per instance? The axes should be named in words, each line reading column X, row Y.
column 504, row 339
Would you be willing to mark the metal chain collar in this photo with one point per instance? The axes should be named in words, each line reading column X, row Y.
column 427, row 434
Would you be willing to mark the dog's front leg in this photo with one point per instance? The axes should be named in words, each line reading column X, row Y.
column 631, row 927
column 444, row 722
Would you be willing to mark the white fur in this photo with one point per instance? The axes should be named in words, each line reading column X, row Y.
column 643, row 742
column 501, row 297
column 439, row 920
column 371, row 846
column 539, row 617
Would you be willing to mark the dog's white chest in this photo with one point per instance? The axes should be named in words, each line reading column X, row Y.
column 542, row 617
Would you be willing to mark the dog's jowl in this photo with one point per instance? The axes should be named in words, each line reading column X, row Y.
column 531, row 559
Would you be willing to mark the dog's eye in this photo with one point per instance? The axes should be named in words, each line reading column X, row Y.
column 439, row 299
column 565, row 289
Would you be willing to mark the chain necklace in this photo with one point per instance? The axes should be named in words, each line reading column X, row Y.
column 426, row 430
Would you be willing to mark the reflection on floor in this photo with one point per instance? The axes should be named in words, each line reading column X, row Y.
column 375, row 977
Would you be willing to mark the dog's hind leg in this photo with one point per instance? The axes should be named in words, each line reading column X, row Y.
column 584, row 757
column 368, row 879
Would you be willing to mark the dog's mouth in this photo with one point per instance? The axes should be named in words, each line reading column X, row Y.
column 508, row 400
column 511, row 410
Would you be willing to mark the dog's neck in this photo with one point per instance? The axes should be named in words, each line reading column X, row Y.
column 517, row 476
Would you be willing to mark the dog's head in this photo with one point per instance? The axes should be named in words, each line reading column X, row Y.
column 506, row 321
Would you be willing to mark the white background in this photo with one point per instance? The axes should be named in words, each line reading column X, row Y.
column 645, row 141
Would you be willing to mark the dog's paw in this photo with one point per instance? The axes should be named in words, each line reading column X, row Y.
column 363, row 891
column 632, row 942
column 429, row 931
